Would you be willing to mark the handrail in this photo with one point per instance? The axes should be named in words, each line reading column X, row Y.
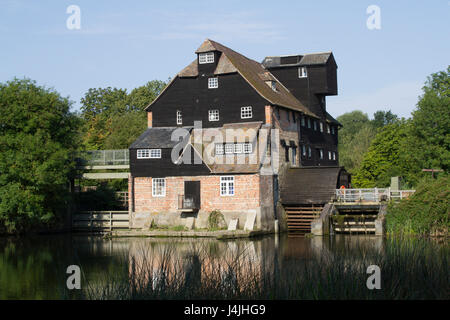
column 373, row 195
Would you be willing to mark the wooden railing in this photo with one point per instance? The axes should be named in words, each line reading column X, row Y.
column 371, row 195
column 122, row 198
column 100, row 220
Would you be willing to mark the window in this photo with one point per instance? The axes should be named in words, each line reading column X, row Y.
column 149, row 153
column 332, row 130
column 229, row 148
column 315, row 125
column 219, row 148
column 294, row 156
column 334, row 155
column 159, row 187
column 302, row 72
column 213, row 115
column 303, row 150
column 309, row 152
column 321, row 153
column 179, row 117
column 238, row 148
column 329, row 155
column 303, row 121
column 248, row 147
column 213, row 83
column 309, row 123
column 328, row 128
column 207, row 57
column 246, row 112
column 227, row 186
column 294, row 118
column 321, row 126
column 155, row 153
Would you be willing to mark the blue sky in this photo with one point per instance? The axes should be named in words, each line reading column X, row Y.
column 127, row 43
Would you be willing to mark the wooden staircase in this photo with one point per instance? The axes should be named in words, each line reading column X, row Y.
column 299, row 218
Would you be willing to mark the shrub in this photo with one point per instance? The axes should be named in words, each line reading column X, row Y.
column 426, row 212
column 216, row 220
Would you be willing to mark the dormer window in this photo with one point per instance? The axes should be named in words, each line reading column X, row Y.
column 272, row 85
column 302, row 72
column 207, row 57
column 213, row 83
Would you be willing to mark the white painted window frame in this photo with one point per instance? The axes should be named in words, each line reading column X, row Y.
column 206, row 57
column 302, row 72
column 213, row 83
column 179, row 117
column 246, row 112
column 227, row 186
column 213, row 115
column 158, row 187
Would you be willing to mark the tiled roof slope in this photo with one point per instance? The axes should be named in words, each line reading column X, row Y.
column 253, row 72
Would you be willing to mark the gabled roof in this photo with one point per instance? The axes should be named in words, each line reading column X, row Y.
column 253, row 72
column 160, row 137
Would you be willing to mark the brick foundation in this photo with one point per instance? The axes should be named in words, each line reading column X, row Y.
column 164, row 210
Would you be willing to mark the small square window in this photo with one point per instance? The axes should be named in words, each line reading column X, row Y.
column 143, row 153
column 238, row 148
column 229, row 148
column 213, row 115
column 207, row 57
column 246, row 112
column 219, row 149
column 213, row 83
column 302, row 72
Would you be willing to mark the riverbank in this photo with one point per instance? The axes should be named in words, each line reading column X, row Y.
column 219, row 234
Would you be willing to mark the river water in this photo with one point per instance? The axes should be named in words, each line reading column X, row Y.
column 35, row 267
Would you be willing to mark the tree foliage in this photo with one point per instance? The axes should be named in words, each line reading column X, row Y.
column 37, row 138
column 406, row 147
column 113, row 119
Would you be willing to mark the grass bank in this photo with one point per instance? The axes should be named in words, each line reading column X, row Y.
column 425, row 213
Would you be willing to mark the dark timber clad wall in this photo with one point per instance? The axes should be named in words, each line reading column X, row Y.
column 164, row 167
column 194, row 99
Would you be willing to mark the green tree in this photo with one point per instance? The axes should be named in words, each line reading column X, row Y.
column 383, row 118
column 113, row 119
column 428, row 142
column 37, row 139
column 354, row 138
column 382, row 159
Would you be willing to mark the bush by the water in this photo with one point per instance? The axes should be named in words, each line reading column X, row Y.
column 426, row 212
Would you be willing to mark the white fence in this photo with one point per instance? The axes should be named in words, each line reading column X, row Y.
column 371, row 195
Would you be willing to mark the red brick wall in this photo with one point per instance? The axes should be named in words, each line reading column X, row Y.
column 246, row 194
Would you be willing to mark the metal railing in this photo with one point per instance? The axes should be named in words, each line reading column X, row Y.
column 103, row 157
column 371, row 195
column 186, row 203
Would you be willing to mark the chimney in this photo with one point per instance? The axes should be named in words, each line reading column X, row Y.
column 268, row 114
column 149, row 119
